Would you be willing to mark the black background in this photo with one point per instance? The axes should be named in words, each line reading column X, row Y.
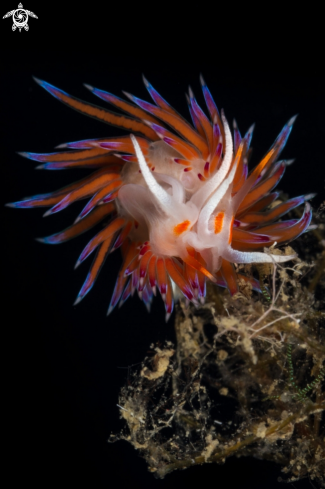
column 63, row 366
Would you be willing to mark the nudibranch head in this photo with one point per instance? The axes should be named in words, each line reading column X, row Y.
column 177, row 198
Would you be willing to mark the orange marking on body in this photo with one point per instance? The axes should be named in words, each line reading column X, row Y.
column 218, row 222
column 230, row 232
column 181, row 227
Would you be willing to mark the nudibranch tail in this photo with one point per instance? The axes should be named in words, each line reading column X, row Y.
column 176, row 198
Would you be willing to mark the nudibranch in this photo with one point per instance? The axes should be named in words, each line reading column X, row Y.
column 176, row 198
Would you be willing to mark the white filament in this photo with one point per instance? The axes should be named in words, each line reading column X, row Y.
column 235, row 256
column 211, row 185
column 159, row 193
column 213, row 202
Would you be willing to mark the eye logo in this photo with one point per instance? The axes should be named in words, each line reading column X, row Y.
column 20, row 18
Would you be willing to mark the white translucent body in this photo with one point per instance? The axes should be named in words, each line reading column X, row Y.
column 162, row 200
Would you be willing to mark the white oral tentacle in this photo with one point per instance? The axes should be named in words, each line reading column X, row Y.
column 160, row 194
column 212, row 203
column 235, row 256
column 211, row 185
column 177, row 187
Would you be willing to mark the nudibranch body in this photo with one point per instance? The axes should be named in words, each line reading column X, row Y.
column 178, row 198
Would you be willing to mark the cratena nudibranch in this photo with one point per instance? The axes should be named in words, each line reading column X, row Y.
column 177, row 198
